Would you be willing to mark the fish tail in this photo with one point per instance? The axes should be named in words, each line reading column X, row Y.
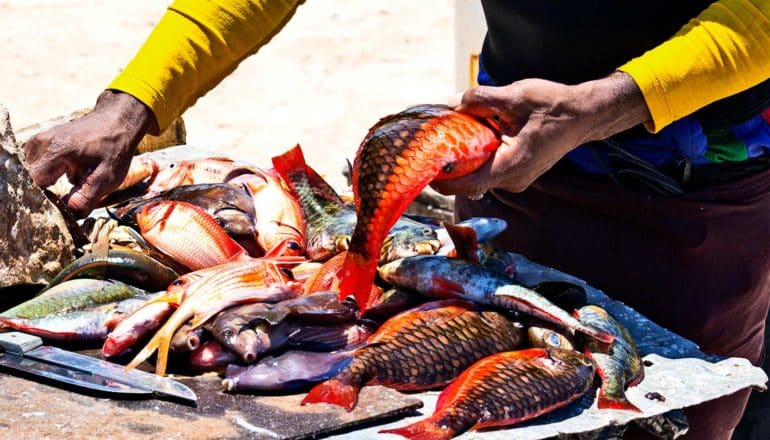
column 357, row 278
column 427, row 429
column 160, row 342
column 620, row 402
column 335, row 392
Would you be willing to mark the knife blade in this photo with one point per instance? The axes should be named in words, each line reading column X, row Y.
column 25, row 353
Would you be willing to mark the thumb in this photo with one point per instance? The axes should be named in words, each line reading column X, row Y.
column 88, row 191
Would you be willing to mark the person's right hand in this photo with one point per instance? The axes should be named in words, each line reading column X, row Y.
column 93, row 151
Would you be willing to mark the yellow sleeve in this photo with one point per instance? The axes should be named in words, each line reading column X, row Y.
column 723, row 51
column 196, row 44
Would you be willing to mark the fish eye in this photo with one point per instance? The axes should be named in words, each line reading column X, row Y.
column 172, row 165
column 293, row 245
column 228, row 333
column 553, row 339
column 177, row 282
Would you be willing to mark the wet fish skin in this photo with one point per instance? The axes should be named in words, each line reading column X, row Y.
column 227, row 285
column 504, row 389
column 329, row 223
column 329, row 337
column 486, row 228
column 187, row 339
column 422, row 348
column 125, row 265
column 618, row 364
column 194, row 171
column 399, row 156
column 287, row 372
column 211, row 357
column 87, row 324
column 135, row 327
column 444, row 277
column 73, row 295
column 542, row 337
column 187, row 234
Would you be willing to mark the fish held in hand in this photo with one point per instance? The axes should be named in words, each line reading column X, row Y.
column 422, row 348
column 399, row 156
column 618, row 364
column 187, row 234
column 505, row 389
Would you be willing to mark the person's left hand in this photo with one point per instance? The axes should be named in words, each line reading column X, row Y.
column 540, row 122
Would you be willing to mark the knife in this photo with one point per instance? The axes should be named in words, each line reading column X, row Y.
column 27, row 354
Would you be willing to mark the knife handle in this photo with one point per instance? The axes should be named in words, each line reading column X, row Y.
column 19, row 343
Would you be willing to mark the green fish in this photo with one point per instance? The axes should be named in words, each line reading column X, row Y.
column 73, row 295
column 618, row 364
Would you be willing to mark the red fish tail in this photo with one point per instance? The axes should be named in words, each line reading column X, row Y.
column 427, row 429
column 357, row 278
column 334, row 392
column 616, row 402
column 293, row 162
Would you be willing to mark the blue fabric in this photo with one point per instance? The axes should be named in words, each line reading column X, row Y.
column 683, row 139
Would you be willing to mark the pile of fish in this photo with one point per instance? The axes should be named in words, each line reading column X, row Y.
column 272, row 279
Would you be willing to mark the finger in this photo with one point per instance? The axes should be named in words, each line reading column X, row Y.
column 88, row 191
column 483, row 102
column 35, row 147
column 46, row 172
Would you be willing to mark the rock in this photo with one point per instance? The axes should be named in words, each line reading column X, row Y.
column 35, row 243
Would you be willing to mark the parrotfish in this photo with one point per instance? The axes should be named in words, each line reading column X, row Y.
column 504, row 389
column 329, row 223
column 422, row 348
column 399, row 156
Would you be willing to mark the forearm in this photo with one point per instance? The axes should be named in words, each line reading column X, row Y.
column 723, row 51
column 195, row 45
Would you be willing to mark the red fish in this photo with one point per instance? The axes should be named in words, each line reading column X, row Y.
column 504, row 389
column 189, row 172
column 422, row 348
column 401, row 155
column 187, row 234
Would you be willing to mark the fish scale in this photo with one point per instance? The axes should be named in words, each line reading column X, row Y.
column 399, row 156
column 422, row 348
column 503, row 389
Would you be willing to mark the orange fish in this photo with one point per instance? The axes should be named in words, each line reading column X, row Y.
column 401, row 155
column 279, row 219
column 504, row 389
column 422, row 348
column 187, row 234
column 189, row 172
column 141, row 168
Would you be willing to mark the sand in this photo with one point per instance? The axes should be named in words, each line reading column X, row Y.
column 332, row 72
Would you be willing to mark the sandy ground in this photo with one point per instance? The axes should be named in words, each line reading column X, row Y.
column 334, row 70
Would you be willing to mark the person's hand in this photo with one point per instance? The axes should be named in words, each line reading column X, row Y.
column 540, row 122
column 93, row 151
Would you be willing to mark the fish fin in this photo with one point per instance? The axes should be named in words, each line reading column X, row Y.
column 444, row 288
column 293, row 161
column 334, row 392
column 356, row 278
column 426, row 429
column 615, row 402
column 161, row 342
column 145, row 353
column 170, row 298
column 464, row 239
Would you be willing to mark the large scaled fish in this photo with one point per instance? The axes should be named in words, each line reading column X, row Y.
column 329, row 223
column 422, row 348
column 187, row 234
column 618, row 364
column 465, row 278
column 399, row 156
column 230, row 284
column 504, row 389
